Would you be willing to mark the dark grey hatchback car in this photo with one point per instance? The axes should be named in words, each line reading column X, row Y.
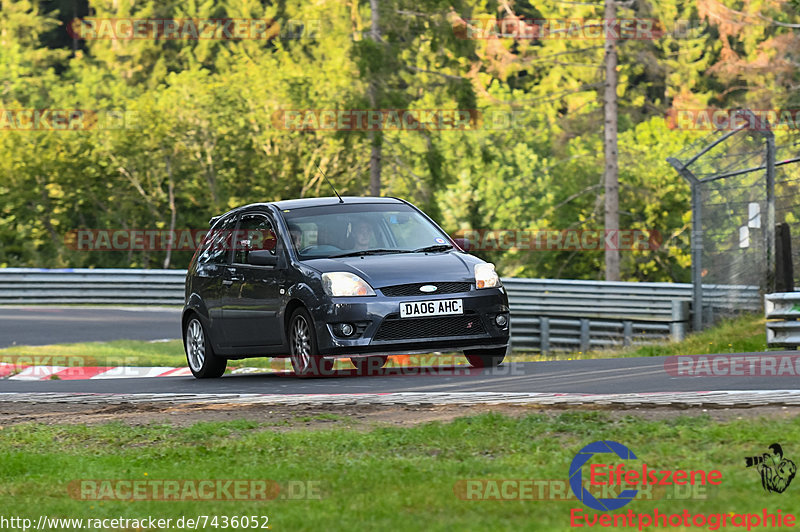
column 316, row 279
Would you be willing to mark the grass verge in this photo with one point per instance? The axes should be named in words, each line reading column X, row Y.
column 386, row 478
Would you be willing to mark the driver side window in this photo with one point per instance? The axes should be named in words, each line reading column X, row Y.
column 255, row 232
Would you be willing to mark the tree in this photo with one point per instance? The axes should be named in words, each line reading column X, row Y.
column 611, row 175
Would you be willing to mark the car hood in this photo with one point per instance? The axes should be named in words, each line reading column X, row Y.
column 388, row 270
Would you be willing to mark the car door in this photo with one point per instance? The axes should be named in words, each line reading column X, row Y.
column 212, row 261
column 252, row 301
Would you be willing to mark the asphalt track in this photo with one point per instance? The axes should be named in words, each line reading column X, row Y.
column 33, row 325
column 608, row 376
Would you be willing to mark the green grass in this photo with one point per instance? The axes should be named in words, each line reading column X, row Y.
column 740, row 335
column 743, row 334
column 116, row 353
column 384, row 478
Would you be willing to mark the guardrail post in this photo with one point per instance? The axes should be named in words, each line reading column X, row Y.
column 708, row 315
column 680, row 320
column 544, row 335
column 585, row 342
column 627, row 332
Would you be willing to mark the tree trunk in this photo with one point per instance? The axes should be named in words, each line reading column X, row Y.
column 375, row 137
column 173, row 214
column 375, row 163
column 610, row 143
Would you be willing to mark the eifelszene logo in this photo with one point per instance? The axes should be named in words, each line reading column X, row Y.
column 776, row 471
column 576, row 475
column 617, row 475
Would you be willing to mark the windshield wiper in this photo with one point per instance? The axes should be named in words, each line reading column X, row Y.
column 433, row 249
column 369, row 252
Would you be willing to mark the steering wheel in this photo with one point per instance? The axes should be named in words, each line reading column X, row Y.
column 326, row 247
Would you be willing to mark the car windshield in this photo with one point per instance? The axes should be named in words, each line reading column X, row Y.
column 362, row 229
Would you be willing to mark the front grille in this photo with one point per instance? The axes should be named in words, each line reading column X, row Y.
column 435, row 327
column 403, row 290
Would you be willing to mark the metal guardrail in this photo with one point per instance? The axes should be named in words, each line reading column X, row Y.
column 547, row 334
column 99, row 286
column 782, row 311
column 554, row 314
column 635, row 301
column 546, row 314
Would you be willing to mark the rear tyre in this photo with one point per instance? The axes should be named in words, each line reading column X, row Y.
column 486, row 358
column 203, row 363
column 369, row 365
column 304, row 355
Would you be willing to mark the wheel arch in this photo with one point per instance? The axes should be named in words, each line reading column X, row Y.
column 194, row 307
column 291, row 307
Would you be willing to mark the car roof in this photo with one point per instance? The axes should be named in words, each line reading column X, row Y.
column 317, row 202
column 311, row 202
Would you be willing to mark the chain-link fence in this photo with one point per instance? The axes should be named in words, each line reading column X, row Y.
column 744, row 182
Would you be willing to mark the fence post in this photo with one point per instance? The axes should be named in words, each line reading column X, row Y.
column 585, row 342
column 680, row 319
column 544, row 335
column 697, row 257
column 770, row 227
column 627, row 332
column 784, row 269
column 697, row 231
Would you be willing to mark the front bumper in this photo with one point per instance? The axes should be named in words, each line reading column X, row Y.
column 380, row 330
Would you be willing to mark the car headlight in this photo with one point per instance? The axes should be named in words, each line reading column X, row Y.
column 485, row 276
column 344, row 284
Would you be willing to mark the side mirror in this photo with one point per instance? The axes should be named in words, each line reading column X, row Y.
column 463, row 243
column 262, row 257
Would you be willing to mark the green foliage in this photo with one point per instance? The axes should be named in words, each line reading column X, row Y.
column 202, row 135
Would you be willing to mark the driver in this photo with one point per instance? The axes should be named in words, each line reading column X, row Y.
column 363, row 235
column 297, row 235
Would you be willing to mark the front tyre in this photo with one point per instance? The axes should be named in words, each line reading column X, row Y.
column 486, row 358
column 304, row 355
column 203, row 363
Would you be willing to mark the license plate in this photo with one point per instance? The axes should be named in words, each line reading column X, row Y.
column 441, row 307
